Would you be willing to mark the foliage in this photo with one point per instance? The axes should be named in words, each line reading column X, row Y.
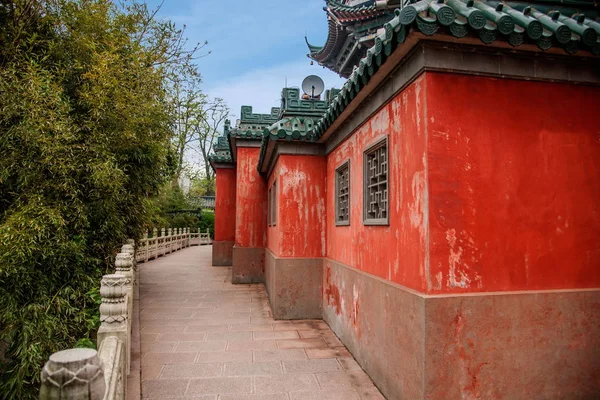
column 202, row 187
column 207, row 222
column 197, row 122
column 85, row 127
column 171, row 208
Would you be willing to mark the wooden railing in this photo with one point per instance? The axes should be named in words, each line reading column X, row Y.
column 87, row 374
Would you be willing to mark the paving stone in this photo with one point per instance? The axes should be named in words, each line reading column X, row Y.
column 349, row 364
column 229, row 336
column 253, row 345
column 224, row 356
column 153, row 322
column 192, row 370
column 315, row 333
column 326, row 395
column 167, row 358
column 275, row 335
column 182, row 337
column 162, row 329
column 251, row 328
column 242, row 384
column 207, row 328
column 252, row 368
column 158, row 347
column 336, row 352
column 270, row 396
column 332, row 341
column 206, row 339
column 311, row 366
column 151, row 372
column 345, row 379
column 301, row 343
column 148, row 337
column 164, row 388
column 300, row 325
column 370, row 393
column 279, row 355
column 285, row 383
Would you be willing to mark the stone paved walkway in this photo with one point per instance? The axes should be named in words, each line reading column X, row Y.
column 204, row 338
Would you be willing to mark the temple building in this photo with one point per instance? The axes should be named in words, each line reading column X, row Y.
column 441, row 211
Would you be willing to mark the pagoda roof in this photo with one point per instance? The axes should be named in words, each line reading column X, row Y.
column 346, row 13
column 552, row 24
column 501, row 23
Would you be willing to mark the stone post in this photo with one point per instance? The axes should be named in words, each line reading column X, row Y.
column 129, row 249
column 73, row 374
column 163, row 245
column 154, row 232
column 124, row 266
column 169, row 240
column 146, row 247
column 114, row 317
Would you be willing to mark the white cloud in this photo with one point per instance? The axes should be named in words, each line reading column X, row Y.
column 261, row 88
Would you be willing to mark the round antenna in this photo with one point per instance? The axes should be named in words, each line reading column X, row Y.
column 313, row 86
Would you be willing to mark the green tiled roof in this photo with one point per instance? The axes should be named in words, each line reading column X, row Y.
column 458, row 18
column 222, row 144
column 298, row 117
column 213, row 158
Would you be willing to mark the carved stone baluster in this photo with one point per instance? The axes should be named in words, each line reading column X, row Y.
column 124, row 266
column 73, row 374
column 129, row 249
column 146, row 247
column 114, row 317
column 163, row 245
column 170, row 239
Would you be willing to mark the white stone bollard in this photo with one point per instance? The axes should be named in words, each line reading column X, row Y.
column 115, row 319
column 73, row 374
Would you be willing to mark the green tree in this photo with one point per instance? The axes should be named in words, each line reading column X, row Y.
column 85, row 128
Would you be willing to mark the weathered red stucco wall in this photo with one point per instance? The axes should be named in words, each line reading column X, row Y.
column 396, row 252
column 514, row 184
column 251, row 200
column 225, row 204
column 300, row 227
column 493, row 187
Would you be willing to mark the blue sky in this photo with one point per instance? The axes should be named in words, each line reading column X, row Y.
column 255, row 45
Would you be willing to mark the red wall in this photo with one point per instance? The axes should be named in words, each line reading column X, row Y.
column 514, row 184
column 494, row 186
column 396, row 252
column 225, row 204
column 251, row 200
column 300, row 228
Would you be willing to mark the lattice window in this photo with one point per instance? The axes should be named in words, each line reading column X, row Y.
column 375, row 170
column 342, row 194
column 274, row 204
column 269, row 207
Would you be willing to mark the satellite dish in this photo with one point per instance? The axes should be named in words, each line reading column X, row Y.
column 313, row 86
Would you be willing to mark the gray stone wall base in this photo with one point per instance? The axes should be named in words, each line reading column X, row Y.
column 294, row 286
column 509, row 345
column 222, row 254
column 248, row 265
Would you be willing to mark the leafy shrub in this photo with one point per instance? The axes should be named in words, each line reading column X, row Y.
column 84, row 141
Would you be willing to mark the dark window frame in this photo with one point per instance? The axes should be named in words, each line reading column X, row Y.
column 368, row 153
column 270, row 195
column 274, row 204
column 338, row 171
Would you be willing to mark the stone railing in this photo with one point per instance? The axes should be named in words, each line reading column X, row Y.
column 88, row 374
column 168, row 241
